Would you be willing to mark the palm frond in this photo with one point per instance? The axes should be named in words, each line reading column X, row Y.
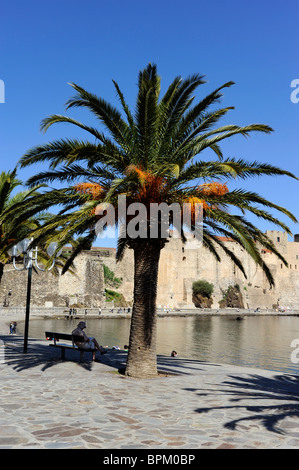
column 8, row 182
column 229, row 169
column 55, row 118
column 79, row 247
column 192, row 147
column 122, row 244
column 172, row 109
column 108, row 114
column 214, row 239
column 194, row 113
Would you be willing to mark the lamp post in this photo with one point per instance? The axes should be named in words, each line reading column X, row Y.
column 30, row 255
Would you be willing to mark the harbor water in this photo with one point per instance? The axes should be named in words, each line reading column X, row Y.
column 253, row 341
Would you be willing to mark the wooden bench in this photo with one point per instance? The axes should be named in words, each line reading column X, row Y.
column 56, row 337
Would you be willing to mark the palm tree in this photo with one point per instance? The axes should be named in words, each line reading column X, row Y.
column 11, row 231
column 15, row 228
column 151, row 156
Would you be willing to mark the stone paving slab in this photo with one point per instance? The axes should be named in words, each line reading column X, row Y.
column 46, row 403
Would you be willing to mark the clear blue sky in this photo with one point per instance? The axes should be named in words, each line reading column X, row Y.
column 45, row 45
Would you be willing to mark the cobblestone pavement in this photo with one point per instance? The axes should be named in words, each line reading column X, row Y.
column 52, row 404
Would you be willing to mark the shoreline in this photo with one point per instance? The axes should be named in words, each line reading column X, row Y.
column 7, row 314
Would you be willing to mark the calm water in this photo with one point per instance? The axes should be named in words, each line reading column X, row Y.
column 262, row 342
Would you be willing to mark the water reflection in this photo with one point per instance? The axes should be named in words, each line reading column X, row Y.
column 262, row 342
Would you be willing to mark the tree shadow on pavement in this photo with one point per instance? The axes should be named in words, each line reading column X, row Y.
column 42, row 356
column 276, row 397
column 181, row 366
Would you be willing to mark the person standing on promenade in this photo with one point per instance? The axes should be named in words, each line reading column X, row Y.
column 13, row 328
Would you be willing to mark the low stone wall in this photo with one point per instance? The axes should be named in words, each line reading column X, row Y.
column 34, row 311
column 9, row 312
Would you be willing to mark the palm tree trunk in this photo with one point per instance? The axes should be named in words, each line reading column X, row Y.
column 1, row 271
column 142, row 355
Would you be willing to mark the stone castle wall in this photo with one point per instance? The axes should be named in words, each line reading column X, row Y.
column 180, row 265
column 84, row 288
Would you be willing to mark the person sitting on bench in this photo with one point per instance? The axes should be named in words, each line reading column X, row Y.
column 87, row 343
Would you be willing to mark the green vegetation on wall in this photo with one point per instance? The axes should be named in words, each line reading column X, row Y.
column 226, row 293
column 116, row 297
column 203, row 288
column 110, row 279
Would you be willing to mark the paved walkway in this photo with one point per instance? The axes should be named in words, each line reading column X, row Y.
column 49, row 404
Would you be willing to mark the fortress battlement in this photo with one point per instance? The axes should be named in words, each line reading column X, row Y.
column 180, row 265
